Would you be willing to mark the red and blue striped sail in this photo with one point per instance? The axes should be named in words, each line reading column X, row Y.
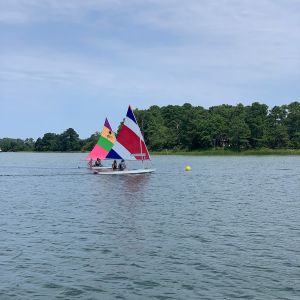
column 130, row 144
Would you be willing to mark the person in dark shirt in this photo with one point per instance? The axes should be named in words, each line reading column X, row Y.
column 122, row 165
column 98, row 162
column 114, row 165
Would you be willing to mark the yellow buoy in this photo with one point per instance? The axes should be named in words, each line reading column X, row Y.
column 188, row 168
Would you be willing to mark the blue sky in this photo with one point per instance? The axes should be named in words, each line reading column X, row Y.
column 71, row 63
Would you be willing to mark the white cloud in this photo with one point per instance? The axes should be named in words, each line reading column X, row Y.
column 160, row 47
column 26, row 11
column 53, row 67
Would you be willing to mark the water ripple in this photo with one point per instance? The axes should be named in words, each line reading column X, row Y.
column 229, row 229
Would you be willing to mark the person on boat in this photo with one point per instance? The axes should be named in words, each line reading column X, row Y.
column 122, row 165
column 98, row 162
column 114, row 165
column 90, row 163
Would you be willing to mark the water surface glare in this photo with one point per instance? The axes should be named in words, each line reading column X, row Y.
column 229, row 229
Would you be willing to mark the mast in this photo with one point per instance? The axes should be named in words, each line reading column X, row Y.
column 141, row 149
column 140, row 136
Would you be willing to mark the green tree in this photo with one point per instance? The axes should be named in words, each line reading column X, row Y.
column 276, row 133
column 89, row 143
column 69, row 140
column 256, row 117
column 153, row 129
column 293, row 124
column 219, row 121
column 239, row 132
column 49, row 142
column 38, row 146
column 13, row 145
column 29, row 144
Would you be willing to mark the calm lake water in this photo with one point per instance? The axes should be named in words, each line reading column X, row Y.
column 229, row 229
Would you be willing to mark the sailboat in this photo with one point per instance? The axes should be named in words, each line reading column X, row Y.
column 105, row 142
column 130, row 145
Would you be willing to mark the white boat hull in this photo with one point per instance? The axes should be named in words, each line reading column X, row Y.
column 101, row 168
column 125, row 172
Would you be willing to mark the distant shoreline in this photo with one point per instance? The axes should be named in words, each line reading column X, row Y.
column 222, row 152
column 216, row 152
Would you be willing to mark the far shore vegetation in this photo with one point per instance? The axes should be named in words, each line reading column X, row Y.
column 255, row 129
column 228, row 152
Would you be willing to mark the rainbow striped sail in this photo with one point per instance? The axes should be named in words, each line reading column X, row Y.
column 130, row 144
column 104, row 144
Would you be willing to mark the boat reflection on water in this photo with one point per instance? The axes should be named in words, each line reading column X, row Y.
column 134, row 184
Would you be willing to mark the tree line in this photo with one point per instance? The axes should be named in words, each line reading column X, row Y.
column 237, row 127
column 191, row 128
column 68, row 141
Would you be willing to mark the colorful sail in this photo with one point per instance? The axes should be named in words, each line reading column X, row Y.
column 105, row 142
column 130, row 144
